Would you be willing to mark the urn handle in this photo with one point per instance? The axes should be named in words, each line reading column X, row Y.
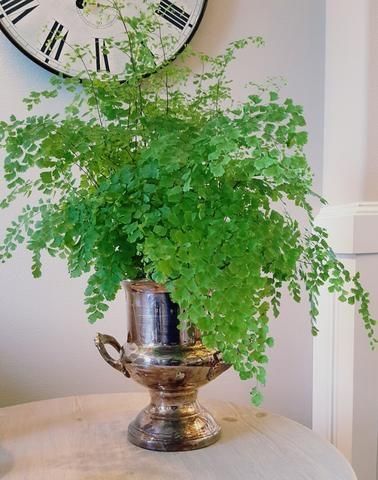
column 217, row 366
column 101, row 341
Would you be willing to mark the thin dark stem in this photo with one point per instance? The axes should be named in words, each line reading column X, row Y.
column 81, row 168
column 100, row 118
column 166, row 72
column 93, row 90
column 132, row 57
column 86, row 172
column 80, row 56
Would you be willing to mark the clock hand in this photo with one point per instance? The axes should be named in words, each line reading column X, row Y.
column 81, row 4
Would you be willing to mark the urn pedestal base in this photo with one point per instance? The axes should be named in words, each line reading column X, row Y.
column 173, row 421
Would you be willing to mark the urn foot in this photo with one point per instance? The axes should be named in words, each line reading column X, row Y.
column 173, row 421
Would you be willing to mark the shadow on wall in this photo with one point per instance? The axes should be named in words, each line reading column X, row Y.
column 14, row 61
column 12, row 393
column 6, row 462
column 215, row 14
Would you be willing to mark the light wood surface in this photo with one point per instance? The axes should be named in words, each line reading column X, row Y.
column 85, row 438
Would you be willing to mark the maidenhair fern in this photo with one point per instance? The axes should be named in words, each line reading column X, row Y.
column 165, row 177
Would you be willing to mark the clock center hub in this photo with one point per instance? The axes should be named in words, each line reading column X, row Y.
column 96, row 14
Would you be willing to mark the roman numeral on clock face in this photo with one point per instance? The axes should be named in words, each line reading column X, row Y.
column 16, row 10
column 54, row 42
column 102, row 60
column 173, row 14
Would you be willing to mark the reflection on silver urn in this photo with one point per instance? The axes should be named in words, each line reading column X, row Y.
column 172, row 364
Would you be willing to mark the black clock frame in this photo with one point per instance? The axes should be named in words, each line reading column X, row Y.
column 65, row 75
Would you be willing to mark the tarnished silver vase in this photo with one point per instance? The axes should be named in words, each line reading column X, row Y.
column 172, row 364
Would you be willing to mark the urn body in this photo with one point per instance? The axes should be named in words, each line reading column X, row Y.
column 172, row 363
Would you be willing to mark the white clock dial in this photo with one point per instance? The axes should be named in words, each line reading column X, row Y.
column 48, row 30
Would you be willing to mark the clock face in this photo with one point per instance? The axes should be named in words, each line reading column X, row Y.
column 49, row 30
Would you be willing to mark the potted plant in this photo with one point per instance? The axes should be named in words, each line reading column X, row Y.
column 165, row 178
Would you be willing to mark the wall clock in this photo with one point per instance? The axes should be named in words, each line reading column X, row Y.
column 47, row 30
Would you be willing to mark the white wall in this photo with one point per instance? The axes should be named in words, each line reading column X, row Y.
column 351, row 107
column 46, row 347
column 346, row 380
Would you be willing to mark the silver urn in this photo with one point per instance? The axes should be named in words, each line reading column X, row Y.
column 172, row 364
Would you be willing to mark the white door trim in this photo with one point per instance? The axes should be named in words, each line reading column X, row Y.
column 353, row 231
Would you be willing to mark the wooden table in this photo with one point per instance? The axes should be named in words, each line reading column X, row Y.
column 84, row 438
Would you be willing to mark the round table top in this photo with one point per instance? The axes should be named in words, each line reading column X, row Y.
column 85, row 438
